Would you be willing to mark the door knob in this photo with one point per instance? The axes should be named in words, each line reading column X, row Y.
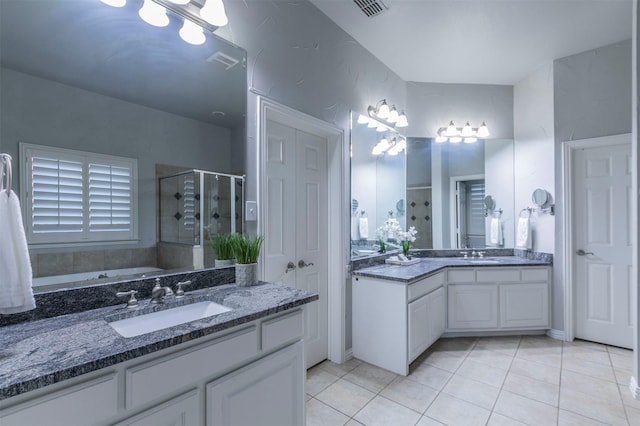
column 290, row 267
column 303, row 264
column 581, row 252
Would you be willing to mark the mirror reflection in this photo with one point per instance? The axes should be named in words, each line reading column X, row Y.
column 456, row 195
column 84, row 76
column 378, row 186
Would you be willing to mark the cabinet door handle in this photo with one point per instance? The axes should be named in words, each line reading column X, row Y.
column 303, row 264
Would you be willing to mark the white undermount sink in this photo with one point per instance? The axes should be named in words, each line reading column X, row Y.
column 142, row 324
column 486, row 262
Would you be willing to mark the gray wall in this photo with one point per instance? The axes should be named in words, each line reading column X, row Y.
column 433, row 105
column 300, row 58
column 44, row 112
column 591, row 98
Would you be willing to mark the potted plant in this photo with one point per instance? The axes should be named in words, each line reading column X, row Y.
column 247, row 251
column 223, row 248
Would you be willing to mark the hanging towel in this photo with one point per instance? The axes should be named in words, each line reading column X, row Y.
column 495, row 234
column 363, row 228
column 523, row 235
column 354, row 227
column 16, row 294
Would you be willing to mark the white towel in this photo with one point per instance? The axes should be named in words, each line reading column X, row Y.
column 495, row 234
column 16, row 294
column 523, row 234
column 363, row 228
column 354, row 228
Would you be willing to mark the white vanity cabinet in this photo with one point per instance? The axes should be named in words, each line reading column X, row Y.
column 394, row 322
column 247, row 375
column 495, row 299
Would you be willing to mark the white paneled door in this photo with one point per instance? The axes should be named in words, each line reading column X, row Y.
column 296, row 229
column 601, row 204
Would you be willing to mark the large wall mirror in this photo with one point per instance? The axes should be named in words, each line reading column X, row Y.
column 378, row 185
column 81, row 75
column 454, row 194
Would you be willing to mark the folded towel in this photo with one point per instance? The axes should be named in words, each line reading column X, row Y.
column 523, row 234
column 16, row 294
column 363, row 228
column 495, row 234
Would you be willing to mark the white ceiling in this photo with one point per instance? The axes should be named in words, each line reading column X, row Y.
column 480, row 41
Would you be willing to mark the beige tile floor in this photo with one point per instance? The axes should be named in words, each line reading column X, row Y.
column 532, row 380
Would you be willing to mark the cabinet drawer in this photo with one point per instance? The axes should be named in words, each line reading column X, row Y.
column 461, row 276
column 535, row 274
column 426, row 285
column 95, row 400
column 498, row 275
column 283, row 329
column 154, row 379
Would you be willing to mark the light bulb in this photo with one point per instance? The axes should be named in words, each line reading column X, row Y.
column 483, row 131
column 363, row 119
column 383, row 111
column 381, row 128
column 441, row 139
column 213, row 12
column 180, row 1
column 402, row 120
column 470, row 140
column 467, row 131
column 393, row 115
column 372, row 124
column 452, row 130
column 154, row 14
column 192, row 33
column 115, row 3
column 455, row 139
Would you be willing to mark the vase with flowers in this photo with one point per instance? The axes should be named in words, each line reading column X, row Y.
column 407, row 238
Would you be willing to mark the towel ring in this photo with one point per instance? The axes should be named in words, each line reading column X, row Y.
column 526, row 209
column 5, row 173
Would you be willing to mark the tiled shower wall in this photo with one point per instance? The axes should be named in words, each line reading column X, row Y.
column 47, row 264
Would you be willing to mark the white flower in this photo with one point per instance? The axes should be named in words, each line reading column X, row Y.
column 410, row 235
column 389, row 230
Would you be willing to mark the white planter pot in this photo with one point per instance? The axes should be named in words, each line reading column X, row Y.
column 246, row 274
column 222, row 263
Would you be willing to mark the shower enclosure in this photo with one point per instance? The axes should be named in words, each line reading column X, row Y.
column 195, row 206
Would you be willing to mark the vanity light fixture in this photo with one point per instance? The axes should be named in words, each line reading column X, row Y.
column 386, row 115
column 115, row 3
column 466, row 134
column 397, row 147
column 392, row 148
column 153, row 14
column 192, row 33
column 210, row 16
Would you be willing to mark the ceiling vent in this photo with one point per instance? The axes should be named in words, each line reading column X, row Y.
column 227, row 61
column 371, row 8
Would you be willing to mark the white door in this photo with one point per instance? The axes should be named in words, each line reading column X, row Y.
column 296, row 232
column 601, row 202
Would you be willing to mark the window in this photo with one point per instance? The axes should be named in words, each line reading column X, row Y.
column 74, row 197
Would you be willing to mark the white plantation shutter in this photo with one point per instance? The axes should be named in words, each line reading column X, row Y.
column 109, row 198
column 74, row 196
column 56, row 195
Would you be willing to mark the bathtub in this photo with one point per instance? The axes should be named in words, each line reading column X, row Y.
column 75, row 280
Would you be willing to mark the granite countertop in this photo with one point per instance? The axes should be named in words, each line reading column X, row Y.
column 39, row 353
column 430, row 265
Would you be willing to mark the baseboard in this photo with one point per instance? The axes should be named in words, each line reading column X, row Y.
column 634, row 388
column 348, row 354
column 453, row 334
column 556, row 334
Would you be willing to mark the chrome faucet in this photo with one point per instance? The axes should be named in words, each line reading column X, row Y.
column 158, row 292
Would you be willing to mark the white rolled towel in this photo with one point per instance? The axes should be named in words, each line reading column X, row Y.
column 523, row 234
column 363, row 228
column 495, row 234
column 16, row 294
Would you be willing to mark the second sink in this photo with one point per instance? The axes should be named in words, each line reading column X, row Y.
column 142, row 324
